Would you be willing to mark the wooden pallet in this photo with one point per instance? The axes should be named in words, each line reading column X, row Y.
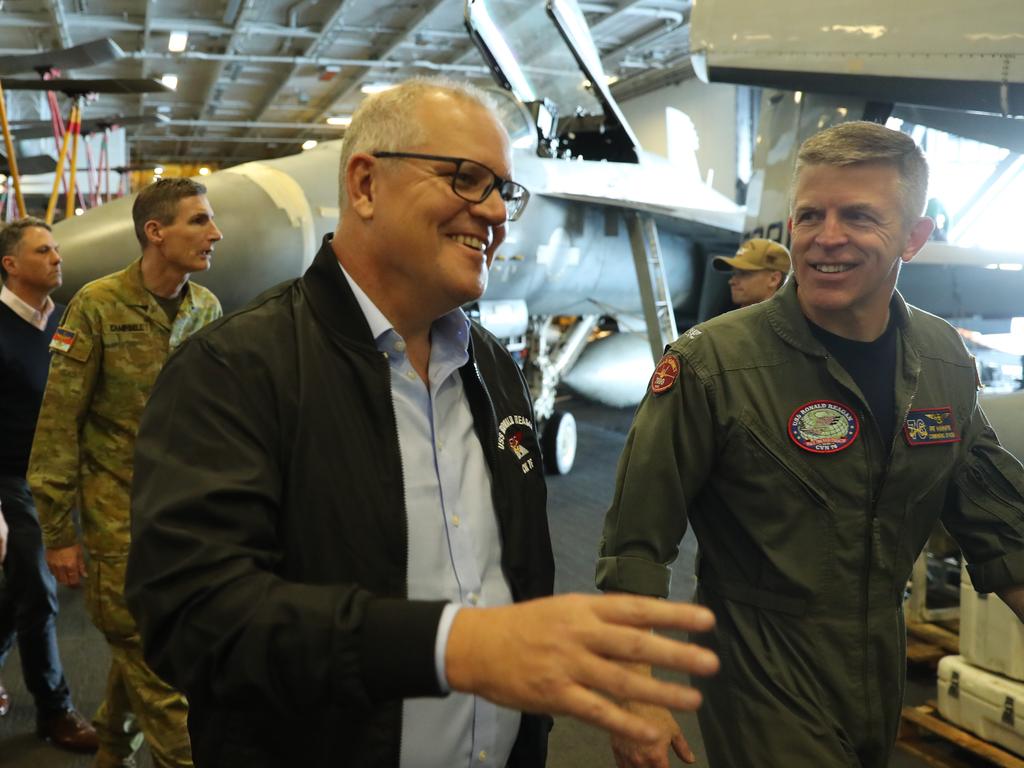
column 940, row 744
column 927, row 643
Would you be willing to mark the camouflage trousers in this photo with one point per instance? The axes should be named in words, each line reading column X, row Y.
column 137, row 705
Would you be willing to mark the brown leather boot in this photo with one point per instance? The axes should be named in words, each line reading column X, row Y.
column 68, row 730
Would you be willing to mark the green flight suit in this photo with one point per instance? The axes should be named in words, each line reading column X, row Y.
column 808, row 522
column 110, row 346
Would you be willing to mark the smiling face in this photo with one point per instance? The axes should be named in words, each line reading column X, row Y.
column 430, row 245
column 849, row 239
column 187, row 243
column 34, row 265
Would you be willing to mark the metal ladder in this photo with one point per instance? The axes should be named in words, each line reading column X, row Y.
column 650, row 276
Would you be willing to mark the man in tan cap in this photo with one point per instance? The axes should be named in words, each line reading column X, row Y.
column 759, row 269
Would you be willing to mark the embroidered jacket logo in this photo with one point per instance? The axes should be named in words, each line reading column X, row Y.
column 516, row 428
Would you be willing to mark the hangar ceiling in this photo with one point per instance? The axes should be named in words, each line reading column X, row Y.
column 258, row 77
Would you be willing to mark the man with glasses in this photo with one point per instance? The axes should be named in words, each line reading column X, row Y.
column 759, row 269
column 340, row 543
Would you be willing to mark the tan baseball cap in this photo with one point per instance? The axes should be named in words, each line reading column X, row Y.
column 755, row 254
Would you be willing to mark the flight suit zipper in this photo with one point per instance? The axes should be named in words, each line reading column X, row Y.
column 813, row 492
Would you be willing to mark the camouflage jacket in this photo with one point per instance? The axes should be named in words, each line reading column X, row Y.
column 110, row 346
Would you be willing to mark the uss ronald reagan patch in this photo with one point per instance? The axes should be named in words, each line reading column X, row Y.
column 823, row 426
column 665, row 374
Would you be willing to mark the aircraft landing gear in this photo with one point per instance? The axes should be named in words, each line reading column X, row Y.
column 546, row 363
column 558, row 443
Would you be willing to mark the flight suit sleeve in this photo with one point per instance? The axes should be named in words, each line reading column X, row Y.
column 666, row 460
column 53, row 471
column 985, row 509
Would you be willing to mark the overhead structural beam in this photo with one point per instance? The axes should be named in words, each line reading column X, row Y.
column 60, row 22
column 313, row 51
column 219, row 140
column 349, row 82
column 298, row 61
column 147, row 28
column 252, row 124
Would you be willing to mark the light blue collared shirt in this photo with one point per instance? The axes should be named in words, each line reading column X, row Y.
column 454, row 544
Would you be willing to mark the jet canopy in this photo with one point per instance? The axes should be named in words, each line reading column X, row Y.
column 542, row 52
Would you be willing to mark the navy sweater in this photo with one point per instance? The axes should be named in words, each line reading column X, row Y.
column 24, row 364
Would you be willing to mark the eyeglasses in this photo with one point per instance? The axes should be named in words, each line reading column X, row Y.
column 473, row 181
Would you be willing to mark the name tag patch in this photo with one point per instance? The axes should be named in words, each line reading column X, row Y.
column 63, row 339
column 512, row 433
column 665, row 374
column 823, row 426
column 127, row 328
column 930, row 426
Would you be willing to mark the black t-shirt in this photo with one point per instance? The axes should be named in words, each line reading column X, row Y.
column 872, row 365
column 169, row 306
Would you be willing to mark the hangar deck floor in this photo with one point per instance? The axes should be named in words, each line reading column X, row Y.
column 576, row 509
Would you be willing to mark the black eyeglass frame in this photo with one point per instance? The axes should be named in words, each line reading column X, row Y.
column 497, row 183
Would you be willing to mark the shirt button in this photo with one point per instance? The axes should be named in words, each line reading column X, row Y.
column 399, row 346
column 483, row 755
column 473, row 598
column 410, row 375
column 456, row 520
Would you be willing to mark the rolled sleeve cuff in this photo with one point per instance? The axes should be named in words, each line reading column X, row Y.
column 444, row 628
column 1006, row 571
column 633, row 574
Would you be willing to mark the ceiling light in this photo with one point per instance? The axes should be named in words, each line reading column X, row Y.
column 171, row 81
column 158, row 170
column 177, row 41
column 370, row 88
column 339, row 120
column 309, row 143
column 204, row 171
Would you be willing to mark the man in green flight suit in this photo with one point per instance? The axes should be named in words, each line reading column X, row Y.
column 813, row 441
column 111, row 344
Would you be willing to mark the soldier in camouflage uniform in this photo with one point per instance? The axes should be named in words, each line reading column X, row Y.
column 110, row 346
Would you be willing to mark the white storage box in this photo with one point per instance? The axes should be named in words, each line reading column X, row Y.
column 991, row 635
column 985, row 704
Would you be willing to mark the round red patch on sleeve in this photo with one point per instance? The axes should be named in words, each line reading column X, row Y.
column 665, row 374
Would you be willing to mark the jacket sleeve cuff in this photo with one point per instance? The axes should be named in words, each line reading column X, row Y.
column 398, row 642
column 1006, row 571
column 633, row 574
column 59, row 537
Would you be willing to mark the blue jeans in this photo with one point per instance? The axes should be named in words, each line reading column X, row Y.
column 28, row 602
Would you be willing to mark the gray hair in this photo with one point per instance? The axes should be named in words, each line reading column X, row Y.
column 11, row 234
column 386, row 121
column 862, row 142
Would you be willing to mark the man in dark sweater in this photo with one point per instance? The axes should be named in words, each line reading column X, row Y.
column 30, row 269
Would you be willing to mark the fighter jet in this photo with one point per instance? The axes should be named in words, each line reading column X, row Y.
column 600, row 206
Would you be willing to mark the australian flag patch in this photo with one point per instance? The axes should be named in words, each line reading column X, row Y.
column 930, row 426
column 63, row 339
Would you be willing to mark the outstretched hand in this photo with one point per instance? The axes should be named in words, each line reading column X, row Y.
column 560, row 654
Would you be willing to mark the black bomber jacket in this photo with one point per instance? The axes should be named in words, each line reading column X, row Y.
column 268, row 563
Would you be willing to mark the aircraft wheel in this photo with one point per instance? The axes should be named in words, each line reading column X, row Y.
column 558, row 442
